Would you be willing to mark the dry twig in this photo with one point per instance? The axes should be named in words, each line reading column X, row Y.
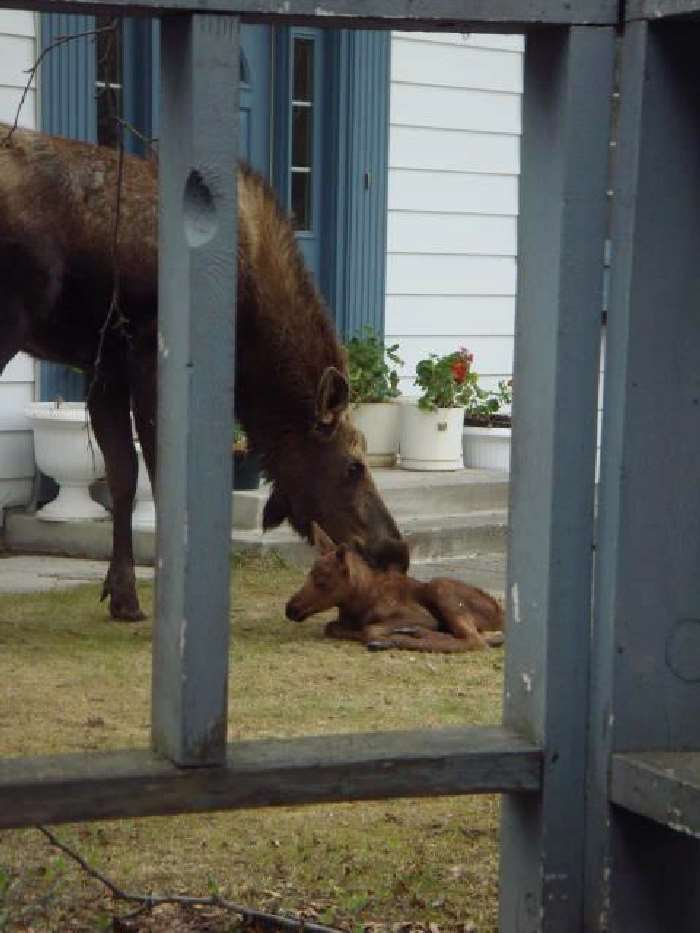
column 148, row 902
column 57, row 42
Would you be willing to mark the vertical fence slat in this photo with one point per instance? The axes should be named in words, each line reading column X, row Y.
column 197, row 282
column 645, row 684
column 568, row 86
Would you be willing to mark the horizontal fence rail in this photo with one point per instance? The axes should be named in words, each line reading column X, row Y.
column 433, row 15
column 318, row 769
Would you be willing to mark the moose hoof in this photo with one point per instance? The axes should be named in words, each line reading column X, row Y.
column 407, row 630
column 125, row 613
column 495, row 639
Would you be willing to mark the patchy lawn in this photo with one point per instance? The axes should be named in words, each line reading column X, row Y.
column 71, row 681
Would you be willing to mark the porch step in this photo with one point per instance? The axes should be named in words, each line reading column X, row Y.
column 431, row 537
column 408, row 495
column 443, row 515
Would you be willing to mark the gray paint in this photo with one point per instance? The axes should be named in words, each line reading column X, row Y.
column 445, row 15
column 662, row 786
column 275, row 772
column 198, row 147
column 568, row 83
column 655, row 9
column 645, row 685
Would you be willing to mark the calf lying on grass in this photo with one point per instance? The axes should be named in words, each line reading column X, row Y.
column 388, row 609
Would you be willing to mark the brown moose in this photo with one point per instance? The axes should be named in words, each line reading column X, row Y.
column 388, row 609
column 57, row 202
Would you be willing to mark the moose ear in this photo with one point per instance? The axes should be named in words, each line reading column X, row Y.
column 331, row 400
column 390, row 554
column 276, row 510
column 320, row 539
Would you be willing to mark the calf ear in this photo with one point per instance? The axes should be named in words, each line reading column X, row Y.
column 320, row 539
column 276, row 510
column 331, row 400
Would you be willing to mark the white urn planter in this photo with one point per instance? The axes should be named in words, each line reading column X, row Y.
column 144, row 515
column 486, row 448
column 66, row 450
column 379, row 422
column 430, row 440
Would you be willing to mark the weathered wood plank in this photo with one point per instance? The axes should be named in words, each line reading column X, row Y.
column 662, row 786
column 197, row 298
column 660, row 9
column 645, row 672
column 446, row 15
column 566, row 119
column 318, row 769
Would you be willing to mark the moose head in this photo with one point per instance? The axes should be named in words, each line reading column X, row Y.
column 323, row 477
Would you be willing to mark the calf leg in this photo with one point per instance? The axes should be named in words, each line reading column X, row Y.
column 111, row 421
column 401, row 634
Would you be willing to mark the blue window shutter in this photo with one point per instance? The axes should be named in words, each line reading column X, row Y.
column 67, row 109
column 68, row 78
column 356, row 278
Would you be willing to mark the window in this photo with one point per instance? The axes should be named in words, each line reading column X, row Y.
column 109, row 80
column 302, row 120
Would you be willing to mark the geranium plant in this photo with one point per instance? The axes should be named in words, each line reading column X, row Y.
column 447, row 381
column 450, row 382
column 372, row 377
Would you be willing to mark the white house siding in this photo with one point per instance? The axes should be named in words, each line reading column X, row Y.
column 454, row 159
column 18, row 47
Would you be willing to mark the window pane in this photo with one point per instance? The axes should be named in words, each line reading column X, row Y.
column 302, row 87
column 301, row 136
column 301, row 200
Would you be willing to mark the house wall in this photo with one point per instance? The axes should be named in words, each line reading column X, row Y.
column 18, row 44
column 454, row 159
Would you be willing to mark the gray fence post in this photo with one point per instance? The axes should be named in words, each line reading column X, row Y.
column 568, row 87
column 645, row 687
column 197, row 283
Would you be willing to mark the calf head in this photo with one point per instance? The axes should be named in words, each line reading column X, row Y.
column 322, row 476
column 329, row 582
column 339, row 575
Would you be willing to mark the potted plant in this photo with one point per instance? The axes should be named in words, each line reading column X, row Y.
column 66, row 450
column 373, row 391
column 246, row 463
column 431, row 430
column 487, row 424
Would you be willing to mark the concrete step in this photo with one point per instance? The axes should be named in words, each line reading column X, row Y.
column 406, row 494
column 431, row 537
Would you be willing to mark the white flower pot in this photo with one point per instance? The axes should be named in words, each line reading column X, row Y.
column 66, row 450
column 379, row 422
column 430, row 440
column 144, row 515
column 487, row 448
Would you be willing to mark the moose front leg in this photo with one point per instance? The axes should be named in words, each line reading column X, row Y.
column 111, row 421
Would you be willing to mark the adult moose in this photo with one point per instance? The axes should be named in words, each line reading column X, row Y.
column 57, row 203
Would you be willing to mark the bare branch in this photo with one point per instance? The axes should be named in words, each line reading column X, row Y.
column 150, row 901
column 57, row 42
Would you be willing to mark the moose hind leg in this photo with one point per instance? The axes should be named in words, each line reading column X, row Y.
column 111, row 421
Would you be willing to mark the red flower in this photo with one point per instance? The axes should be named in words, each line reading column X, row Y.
column 459, row 370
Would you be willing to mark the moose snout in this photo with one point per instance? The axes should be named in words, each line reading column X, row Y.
column 294, row 611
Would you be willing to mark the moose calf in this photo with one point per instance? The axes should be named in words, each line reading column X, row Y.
column 388, row 609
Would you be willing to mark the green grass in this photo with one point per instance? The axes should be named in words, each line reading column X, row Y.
column 70, row 681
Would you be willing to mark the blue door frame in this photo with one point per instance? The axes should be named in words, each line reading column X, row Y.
column 345, row 246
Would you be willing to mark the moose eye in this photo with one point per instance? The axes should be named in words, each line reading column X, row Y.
column 356, row 470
